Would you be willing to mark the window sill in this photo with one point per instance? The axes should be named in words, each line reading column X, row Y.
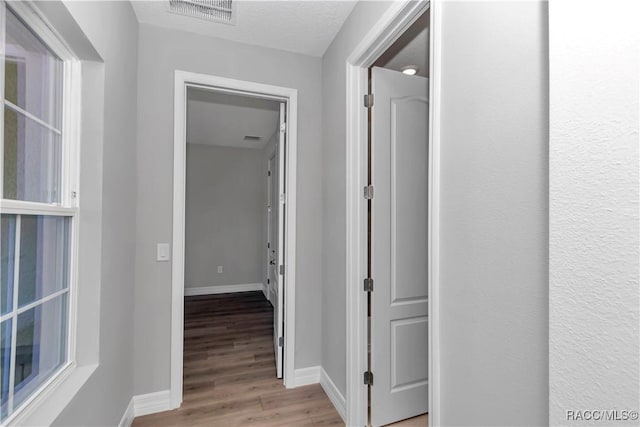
column 51, row 401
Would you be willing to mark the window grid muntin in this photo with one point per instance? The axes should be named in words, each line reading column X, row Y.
column 43, row 369
column 50, row 241
column 57, row 92
column 68, row 200
column 16, row 310
column 58, row 53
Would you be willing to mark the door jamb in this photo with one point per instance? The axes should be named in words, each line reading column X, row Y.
column 184, row 79
column 391, row 25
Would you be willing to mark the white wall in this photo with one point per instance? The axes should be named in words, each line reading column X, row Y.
column 161, row 52
column 225, row 207
column 494, row 214
column 594, row 346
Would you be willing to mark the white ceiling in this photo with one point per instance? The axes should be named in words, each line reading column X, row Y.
column 301, row 26
column 219, row 119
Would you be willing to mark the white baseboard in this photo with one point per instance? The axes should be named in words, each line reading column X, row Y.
column 265, row 291
column 129, row 415
column 306, row 376
column 150, row 403
column 222, row 289
column 334, row 394
column 145, row 404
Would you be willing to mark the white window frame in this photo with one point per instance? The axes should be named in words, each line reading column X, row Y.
column 69, row 196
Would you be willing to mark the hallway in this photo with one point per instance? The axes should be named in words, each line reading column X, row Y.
column 229, row 371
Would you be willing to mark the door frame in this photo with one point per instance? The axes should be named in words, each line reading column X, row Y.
column 183, row 80
column 391, row 25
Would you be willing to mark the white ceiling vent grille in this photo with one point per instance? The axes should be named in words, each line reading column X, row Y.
column 212, row 10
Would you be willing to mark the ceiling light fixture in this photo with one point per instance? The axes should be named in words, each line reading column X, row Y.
column 410, row 70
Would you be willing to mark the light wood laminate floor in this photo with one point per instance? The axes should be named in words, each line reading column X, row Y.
column 230, row 376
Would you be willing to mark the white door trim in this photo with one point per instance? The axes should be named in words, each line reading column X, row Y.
column 184, row 79
column 396, row 19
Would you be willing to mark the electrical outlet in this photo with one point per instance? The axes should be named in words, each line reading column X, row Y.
column 219, row 269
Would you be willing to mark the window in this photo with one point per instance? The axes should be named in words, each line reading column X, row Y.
column 38, row 207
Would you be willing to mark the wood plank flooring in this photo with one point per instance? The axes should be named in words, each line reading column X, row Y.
column 229, row 371
column 230, row 375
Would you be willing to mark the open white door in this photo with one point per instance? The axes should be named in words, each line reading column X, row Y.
column 399, row 137
column 277, row 258
column 272, row 224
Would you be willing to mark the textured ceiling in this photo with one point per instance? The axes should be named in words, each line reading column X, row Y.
column 301, row 26
column 224, row 120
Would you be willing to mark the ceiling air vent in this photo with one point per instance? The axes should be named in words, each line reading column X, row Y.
column 251, row 138
column 212, row 10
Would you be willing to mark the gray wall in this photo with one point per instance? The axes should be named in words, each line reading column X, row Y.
column 494, row 214
column 494, row 207
column 334, row 208
column 161, row 52
column 594, row 216
column 105, row 396
column 494, row 294
column 225, row 207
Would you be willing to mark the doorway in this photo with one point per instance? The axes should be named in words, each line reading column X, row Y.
column 284, row 141
column 392, row 324
column 229, row 136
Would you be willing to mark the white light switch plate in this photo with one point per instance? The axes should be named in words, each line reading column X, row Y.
column 162, row 252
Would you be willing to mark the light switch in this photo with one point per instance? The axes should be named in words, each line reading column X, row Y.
column 162, row 252
column 219, row 269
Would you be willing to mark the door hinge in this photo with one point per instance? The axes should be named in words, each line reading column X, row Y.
column 368, row 284
column 368, row 378
column 368, row 192
column 283, row 198
column 268, row 281
column 368, row 100
column 268, row 173
column 283, row 127
column 281, row 269
column 281, row 342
